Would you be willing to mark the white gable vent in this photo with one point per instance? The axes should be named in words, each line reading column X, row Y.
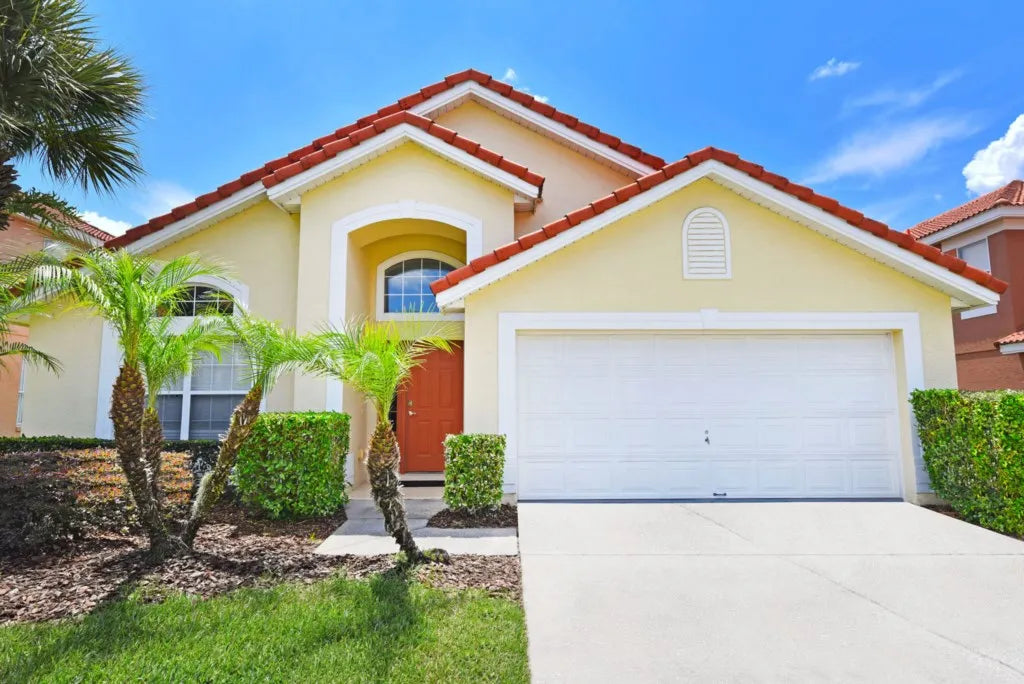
column 706, row 245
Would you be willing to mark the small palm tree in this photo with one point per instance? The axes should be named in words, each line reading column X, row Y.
column 64, row 101
column 374, row 359
column 128, row 291
column 168, row 356
column 269, row 351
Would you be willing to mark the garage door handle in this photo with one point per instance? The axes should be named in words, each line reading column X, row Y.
column 707, row 437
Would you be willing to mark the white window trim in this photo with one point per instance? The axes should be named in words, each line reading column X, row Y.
column 510, row 324
column 728, row 246
column 110, row 351
column 398, row 316
column 20, row 410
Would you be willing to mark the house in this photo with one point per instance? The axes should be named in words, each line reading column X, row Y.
column 638, row 329
column 988, row 233
column 25, row 235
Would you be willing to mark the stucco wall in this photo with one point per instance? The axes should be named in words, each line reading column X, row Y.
column 571, row 180
column 635, row 265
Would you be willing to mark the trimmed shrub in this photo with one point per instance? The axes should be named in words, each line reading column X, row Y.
column 47, row 497
column 202, row 452
column 974, row 450
column 293, row 464
column 474, row 466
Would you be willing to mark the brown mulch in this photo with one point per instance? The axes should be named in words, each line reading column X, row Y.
column 504, row 515
column 100, row 569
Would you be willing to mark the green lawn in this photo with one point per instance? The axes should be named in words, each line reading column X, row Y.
column 384, row 629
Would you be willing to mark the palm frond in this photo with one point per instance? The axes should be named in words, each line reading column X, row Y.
column 269, row 349
column 168, row 355
column 29, row 355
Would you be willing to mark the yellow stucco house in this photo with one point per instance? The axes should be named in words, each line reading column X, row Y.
column 700, row 329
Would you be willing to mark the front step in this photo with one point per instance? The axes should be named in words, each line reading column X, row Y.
column 422, row 479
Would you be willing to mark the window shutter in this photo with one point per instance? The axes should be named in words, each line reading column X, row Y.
column 706, row 245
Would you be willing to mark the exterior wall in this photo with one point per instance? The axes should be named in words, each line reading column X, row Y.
column 259, row 247
column 571, row 180
column 64, row 404
column 636, row 266
column 10, row 378
column 980, row 366
column 406, row 173
column 21, row 237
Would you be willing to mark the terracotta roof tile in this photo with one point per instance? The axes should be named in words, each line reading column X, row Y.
column 1011, row 194
column 325, row 142
column 1012, row 338
column 625, row 193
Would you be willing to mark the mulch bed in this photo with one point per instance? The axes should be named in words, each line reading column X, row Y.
column 231, row 552
column 504, row 515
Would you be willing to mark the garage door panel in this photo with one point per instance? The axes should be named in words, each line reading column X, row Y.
column 624, row 415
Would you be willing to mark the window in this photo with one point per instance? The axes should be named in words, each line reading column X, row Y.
column 706, row 253
column 976, row 254
column 200, row 299
column 403, row 284
column 199, row 406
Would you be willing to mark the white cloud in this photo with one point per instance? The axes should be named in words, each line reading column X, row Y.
column 159, row 197
column 903, row 99
column 105, row 223
column 833, row 67
column 512, row 78
column 880, row 151
column 1000, row 162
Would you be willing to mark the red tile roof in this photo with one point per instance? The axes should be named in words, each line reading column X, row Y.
column 407, row 102
column 90, row 229
column 854, row 218
column 1012, row 338
column 1011, row 194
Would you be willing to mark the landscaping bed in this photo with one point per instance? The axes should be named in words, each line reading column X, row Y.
column 233, row 551
column 504, row 515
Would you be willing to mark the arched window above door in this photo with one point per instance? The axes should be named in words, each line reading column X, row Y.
column 403, row 285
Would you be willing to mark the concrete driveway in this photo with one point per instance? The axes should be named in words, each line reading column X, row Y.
column 768, row 592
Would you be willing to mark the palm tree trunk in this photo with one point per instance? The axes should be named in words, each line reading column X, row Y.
column 152, row 446
column 382, row 464
column 126, row 412
column 211, row 488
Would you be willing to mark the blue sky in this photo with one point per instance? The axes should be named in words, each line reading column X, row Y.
column 878, row 104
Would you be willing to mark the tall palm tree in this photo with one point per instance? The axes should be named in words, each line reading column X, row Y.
column 375, row 359
column 167, row 356
column 128, row 291
column 269, row 351
column 64, row 101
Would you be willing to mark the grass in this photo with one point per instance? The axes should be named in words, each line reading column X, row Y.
column 382, row 629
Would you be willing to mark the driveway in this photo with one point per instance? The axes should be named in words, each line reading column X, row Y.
column 767, row 592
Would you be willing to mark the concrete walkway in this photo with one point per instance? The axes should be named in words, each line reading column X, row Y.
column 768, row 592
column 362, row 534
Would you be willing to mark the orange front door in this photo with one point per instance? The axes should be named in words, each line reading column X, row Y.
column 430, row 407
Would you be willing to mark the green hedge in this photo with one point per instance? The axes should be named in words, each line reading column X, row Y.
column 203, row 452
column 474, row 466
column 293, row 464
column 974, row 450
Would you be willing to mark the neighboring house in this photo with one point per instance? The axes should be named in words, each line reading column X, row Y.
column 23, row 236
column 699, row 329
column 988, row 233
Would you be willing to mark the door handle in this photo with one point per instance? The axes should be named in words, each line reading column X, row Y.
column 412, row 413
column 707, row 437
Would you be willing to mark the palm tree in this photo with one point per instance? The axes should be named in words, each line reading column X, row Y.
column 269, row 351
column 128, row 291
column 18, row 302
column 167, row 356
column 64, row 101
column 374, row 359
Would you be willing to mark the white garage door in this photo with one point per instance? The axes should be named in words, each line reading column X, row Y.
column 666, row 415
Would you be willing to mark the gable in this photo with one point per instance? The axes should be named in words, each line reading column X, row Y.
column 636, row 264
column 571, row 178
